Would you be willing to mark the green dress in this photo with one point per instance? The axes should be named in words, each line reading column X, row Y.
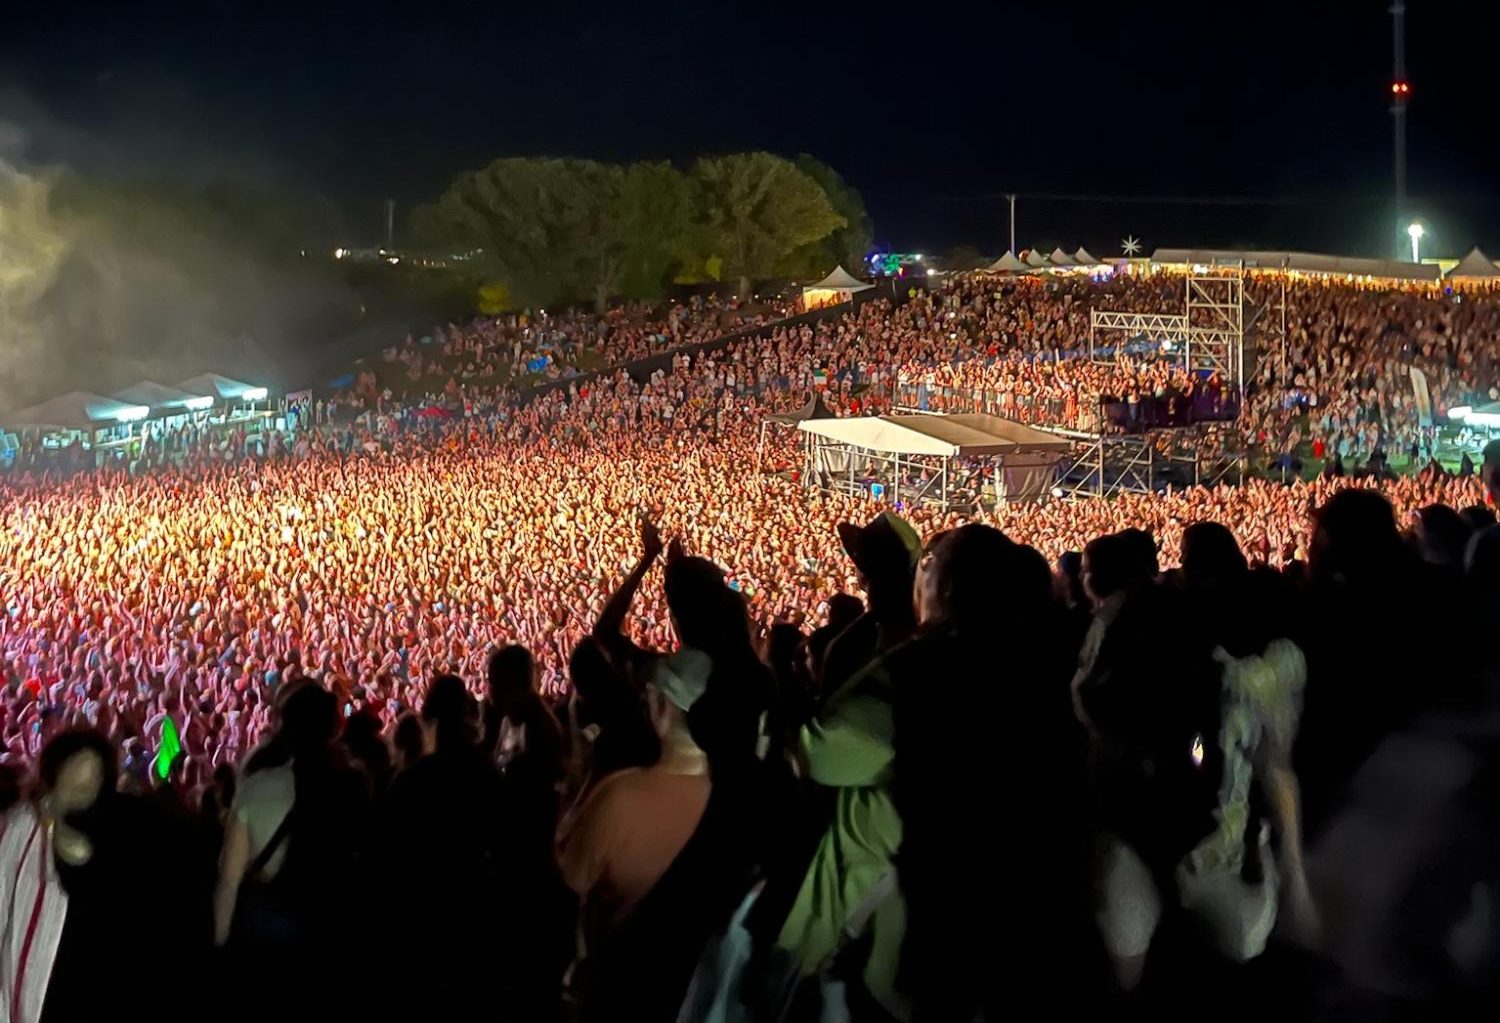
column 849, row 748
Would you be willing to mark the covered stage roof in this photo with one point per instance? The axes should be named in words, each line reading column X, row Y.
column 944, row 436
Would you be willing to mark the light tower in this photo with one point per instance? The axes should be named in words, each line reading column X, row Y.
column 1400, row 93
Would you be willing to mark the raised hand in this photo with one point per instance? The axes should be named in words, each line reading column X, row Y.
column 651, row 543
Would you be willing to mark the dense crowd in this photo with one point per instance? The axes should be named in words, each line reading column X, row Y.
column 894, row 805
column 434, row 651
column 515, row 349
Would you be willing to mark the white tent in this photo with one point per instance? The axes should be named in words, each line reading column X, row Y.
column 838, row 286
column 944, row 436
column 161, row 398
column 1008, row 264
column 1302, row 262
column 1475, row 266
column 79, row 411
column 857, row 455
column 1061, row 258
column 223, row 387
column 1083, row 258
column 1036, row 260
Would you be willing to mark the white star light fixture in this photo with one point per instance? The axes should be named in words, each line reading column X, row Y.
column 1130, row 244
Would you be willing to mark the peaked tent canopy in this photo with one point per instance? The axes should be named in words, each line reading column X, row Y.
column 1061, row 258
column 76, row 410
column 223, row 387
column 944, row 436
column 1476, row 265
column 840, row 280
column 161, row 397
column 1083, row 258
column 1036, row 260
column 814, row 409
column 1007, row 264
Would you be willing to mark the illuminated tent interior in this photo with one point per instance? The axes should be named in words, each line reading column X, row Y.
column 838, row 286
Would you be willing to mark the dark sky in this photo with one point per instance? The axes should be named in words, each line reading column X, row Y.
column 929, row 109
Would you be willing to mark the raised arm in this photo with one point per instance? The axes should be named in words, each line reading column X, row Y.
column 618, row 606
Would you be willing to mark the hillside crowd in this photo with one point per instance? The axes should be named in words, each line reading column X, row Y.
column 415, row 686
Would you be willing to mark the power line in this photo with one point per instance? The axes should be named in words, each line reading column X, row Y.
column 1213, row 200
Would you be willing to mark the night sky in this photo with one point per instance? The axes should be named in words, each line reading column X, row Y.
column 1272, row 117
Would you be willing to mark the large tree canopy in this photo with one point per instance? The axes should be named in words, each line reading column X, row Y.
column 558, row 229
column 755, row 209
column 846, row 246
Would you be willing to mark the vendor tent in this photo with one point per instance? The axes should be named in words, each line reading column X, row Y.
column 1036, row 260
column 1061, row 258
column 1475, row 266
column 838, row 286
column 1008, row 264
column 1083, row 258
column 1302, row 262
column 78, row 411
column 164, row 399
column 223, row 388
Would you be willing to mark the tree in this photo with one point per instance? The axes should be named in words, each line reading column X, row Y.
column 565, row 229
column 754, row 209
column 847, row 246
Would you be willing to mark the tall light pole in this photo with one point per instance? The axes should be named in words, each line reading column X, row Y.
column 1012, row 197
column 1414, row 232
column 1400, row 93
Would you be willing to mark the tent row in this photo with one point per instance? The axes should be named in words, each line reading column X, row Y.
column 1474, row 266
column 87, row 413
column 1034, row 260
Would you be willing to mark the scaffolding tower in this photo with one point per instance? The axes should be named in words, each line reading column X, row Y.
column 1208, row 335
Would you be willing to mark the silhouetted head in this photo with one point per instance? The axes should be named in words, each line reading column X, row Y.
column 1355, row 536
column 75, row 769
column 449, row 711
column 511, row 673
column 1211, row 556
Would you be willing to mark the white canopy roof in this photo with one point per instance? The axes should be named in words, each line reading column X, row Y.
column 1061, row 258
column 944, row 436
column 213, row 384
column 1007, row 263
column 839, row 280
column 1475, row 264
column 160, row 396
column 1083, row 258
column 76, row 410
column 1036, row 260
column 1306, row 262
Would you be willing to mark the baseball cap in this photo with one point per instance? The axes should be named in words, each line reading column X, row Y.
column 682, row 677
column 888, row 539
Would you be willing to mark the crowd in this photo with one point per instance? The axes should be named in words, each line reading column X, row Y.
column 419, row 684
column 514, row 349
column 924, row 780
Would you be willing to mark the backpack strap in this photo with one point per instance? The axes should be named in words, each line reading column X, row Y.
column 278, row 838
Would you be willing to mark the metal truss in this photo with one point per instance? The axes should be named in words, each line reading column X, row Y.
column 1107, row 465
column 1209, row 335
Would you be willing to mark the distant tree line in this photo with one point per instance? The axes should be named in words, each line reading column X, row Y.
column 556, row 230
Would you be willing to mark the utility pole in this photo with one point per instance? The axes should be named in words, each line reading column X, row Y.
column 390, row 223
column 1400, row 93
column 1012, row 197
